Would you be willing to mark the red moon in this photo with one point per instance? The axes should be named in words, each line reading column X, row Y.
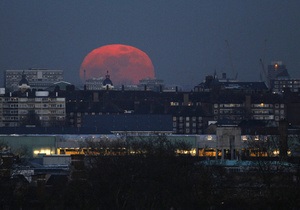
column 125, row 64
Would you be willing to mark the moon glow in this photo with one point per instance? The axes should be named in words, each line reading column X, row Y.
column 125, row 64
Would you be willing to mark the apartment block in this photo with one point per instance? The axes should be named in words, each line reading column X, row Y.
column 38, row 78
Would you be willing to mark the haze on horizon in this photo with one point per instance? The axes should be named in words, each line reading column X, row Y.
column 184, row 39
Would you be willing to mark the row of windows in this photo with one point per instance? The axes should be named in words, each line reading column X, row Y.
column 187, row 124
column 275, row 90
column 287, row 82
column 10, row 118
column 228, row 105
column 263, row 111
column 13, row 99
column 40, row 106
column 181, row 103
column 187, row 130
column 261, row 105
column 43, row 118
column 229, row 111
column 264, row 117
column 193, row 119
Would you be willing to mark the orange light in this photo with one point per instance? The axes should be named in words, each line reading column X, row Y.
column 276, row 65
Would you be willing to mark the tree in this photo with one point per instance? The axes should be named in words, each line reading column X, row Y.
column 31, row 119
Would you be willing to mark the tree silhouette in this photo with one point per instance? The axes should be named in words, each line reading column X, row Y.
column 31, row 119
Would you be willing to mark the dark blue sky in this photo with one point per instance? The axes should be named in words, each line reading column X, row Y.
column 184, row 39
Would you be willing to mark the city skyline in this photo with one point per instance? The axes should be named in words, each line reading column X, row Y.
column 185, row 40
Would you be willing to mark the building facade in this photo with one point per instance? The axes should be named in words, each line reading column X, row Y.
column 94, row 83
column 38, row 109
column 279, row 85
column 277, row 70
column 38, row 79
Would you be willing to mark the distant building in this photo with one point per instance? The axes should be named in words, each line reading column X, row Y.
column 151, row 84
column 23, row 84
column 279, row 85
column 277, row 70
column 130, row 123
column 99, row 83
column 37, row 78
column 33, row 109
column 107, row 83
column 94, row 83
column 212, row 83
column 239, row 107
column 279, row 79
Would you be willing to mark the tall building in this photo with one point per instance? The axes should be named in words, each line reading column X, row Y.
column 279, row 78
column 38, row 78
column 277, row 70
column 33, row 109
column 279, row 85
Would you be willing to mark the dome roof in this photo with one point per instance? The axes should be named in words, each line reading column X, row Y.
column 23, row 81
column 107, row 81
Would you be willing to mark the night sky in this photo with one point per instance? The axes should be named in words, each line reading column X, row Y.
column 184, row 39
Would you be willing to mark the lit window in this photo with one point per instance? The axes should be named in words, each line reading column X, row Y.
column 244, row 138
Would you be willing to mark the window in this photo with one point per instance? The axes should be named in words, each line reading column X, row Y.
column 174, row 103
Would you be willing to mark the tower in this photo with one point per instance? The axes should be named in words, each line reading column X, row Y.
column 107, row 83
column 277, row 70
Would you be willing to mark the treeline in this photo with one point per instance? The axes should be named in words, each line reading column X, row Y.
column 152, row 177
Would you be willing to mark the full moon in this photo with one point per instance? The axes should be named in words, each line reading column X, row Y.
column 125, row 64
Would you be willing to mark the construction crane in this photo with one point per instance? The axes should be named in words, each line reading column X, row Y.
column 265, row 75
column 262, row 63
column 231, row 63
